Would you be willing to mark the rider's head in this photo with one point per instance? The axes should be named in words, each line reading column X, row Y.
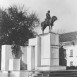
column 48, row 11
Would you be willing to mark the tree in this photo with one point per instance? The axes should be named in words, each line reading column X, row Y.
column 17, row 26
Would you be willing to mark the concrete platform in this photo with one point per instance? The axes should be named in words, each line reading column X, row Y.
column 14, row 73
column 51, row 68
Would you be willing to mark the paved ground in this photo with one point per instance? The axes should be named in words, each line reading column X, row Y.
column 67, row 73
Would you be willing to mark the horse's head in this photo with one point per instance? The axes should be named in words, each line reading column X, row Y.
column 54, row 18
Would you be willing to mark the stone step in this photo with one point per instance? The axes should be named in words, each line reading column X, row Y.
column 63, row 73
column 58, row 74
column 51, row 68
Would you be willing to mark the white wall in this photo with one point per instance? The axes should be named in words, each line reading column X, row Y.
column 5, row 55
column 74, row 58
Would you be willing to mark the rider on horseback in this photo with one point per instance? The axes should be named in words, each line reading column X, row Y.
column 49, row 21
column 48, row 17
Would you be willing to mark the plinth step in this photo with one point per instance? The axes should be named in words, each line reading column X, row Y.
column 51, row 68
column 59, row 73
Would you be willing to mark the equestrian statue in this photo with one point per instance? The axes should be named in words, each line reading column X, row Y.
column 48, row 21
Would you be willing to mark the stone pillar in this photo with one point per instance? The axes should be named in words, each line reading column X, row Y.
column 38, row 52
column 49, row 49
column 54, row 61
column 37, row 43
column 45, row 50
column 30, row 58
column 5, row 55
column 54, row 48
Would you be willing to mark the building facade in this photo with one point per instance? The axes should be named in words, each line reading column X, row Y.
column 69, row 42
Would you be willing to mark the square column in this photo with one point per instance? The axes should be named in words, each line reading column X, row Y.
column 54, row 43
column 6, row 54
column 30, row 58
column 37, row 43
column 38, row 52
column 54, row 59
column 45, row 50
column 49, row 49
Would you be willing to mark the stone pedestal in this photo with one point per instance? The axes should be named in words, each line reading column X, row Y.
column 46, row 51
column 38, row 52
column 14, row 64
column 54, row 61
column 49, row 49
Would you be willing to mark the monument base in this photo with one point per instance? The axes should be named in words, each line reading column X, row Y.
column 14, row 74
column 51, row 68
column 14, row 64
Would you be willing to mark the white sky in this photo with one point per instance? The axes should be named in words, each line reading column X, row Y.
column 65, row 10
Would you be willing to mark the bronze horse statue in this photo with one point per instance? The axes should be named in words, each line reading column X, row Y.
column 49, row 23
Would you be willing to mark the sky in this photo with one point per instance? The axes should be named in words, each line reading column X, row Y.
column 65, row 10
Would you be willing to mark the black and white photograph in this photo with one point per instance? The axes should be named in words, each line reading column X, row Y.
column 38, row 38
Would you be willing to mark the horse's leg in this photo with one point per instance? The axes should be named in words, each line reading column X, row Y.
column 49, row 28
column 42, row 31
column 43, row 27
